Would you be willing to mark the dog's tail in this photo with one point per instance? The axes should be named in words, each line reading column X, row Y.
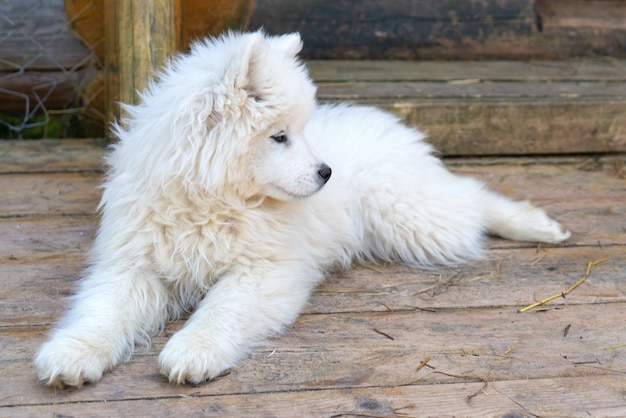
column 521, row 221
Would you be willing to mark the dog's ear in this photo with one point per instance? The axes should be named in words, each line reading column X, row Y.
column 244, row 64
column 257, row 44
column 290, row 43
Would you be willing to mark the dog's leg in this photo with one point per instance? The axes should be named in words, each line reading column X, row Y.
column 112, row 310
column 237, row 314
column 521, row 221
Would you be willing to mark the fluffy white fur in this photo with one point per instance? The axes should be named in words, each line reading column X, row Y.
column 216, row 203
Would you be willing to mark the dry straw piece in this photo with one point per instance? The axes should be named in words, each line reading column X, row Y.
column 590, row 266
column 613, row 347
column 422, row 364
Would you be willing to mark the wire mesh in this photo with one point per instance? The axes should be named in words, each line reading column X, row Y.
column 44, row 71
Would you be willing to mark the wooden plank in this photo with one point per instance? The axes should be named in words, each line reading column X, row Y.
column 492, row 29
column 583, row 26
column 526, row 274
column 402, row 29
column 52, row 156
column 61, row 194
column 543, row 179
column 346, row 71
column 28, row 239
column 482, row 128
column 528, row 92
column 58, row 273
column 345, row 351
column 603, row 14
column 595, row 396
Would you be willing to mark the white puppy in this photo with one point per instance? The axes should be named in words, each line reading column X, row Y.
column 220, row 199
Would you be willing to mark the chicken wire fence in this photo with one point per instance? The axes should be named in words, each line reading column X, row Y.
column 47, row 72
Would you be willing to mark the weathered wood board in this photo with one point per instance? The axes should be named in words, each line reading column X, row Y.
column 52, row 156
column 474, row 29
column 591, row 396
column 359, row 351
column 342, row 71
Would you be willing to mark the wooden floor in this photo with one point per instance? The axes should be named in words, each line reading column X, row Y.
column 376, row 341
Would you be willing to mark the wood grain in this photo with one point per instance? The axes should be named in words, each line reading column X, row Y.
column 138, row 41
column 346, row 71
column 70, row 193
column 52, row 156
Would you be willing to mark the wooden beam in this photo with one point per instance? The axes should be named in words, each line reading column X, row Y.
column 449, row 29
column 139, row 38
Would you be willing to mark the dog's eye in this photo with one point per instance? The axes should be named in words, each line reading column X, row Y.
column 280, row 137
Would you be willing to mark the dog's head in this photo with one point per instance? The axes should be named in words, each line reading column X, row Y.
column 281, row 100
column 228, row 117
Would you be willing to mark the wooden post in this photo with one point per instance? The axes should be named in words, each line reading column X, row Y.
column 139, row 37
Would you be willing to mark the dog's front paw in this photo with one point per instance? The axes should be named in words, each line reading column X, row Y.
column 68, row 360
column 193, row 358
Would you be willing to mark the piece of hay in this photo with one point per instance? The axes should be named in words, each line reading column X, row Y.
column 538, row 259
column 496, row 276
column 443, row 285
column 422, row 364
column 590, row 266
column 389, row 308
column 508, row 350
column 440, row 283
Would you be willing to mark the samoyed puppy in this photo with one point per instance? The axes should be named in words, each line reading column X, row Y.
column 230, row 193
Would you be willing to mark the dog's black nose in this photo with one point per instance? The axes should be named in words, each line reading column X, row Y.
column 324, row 172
